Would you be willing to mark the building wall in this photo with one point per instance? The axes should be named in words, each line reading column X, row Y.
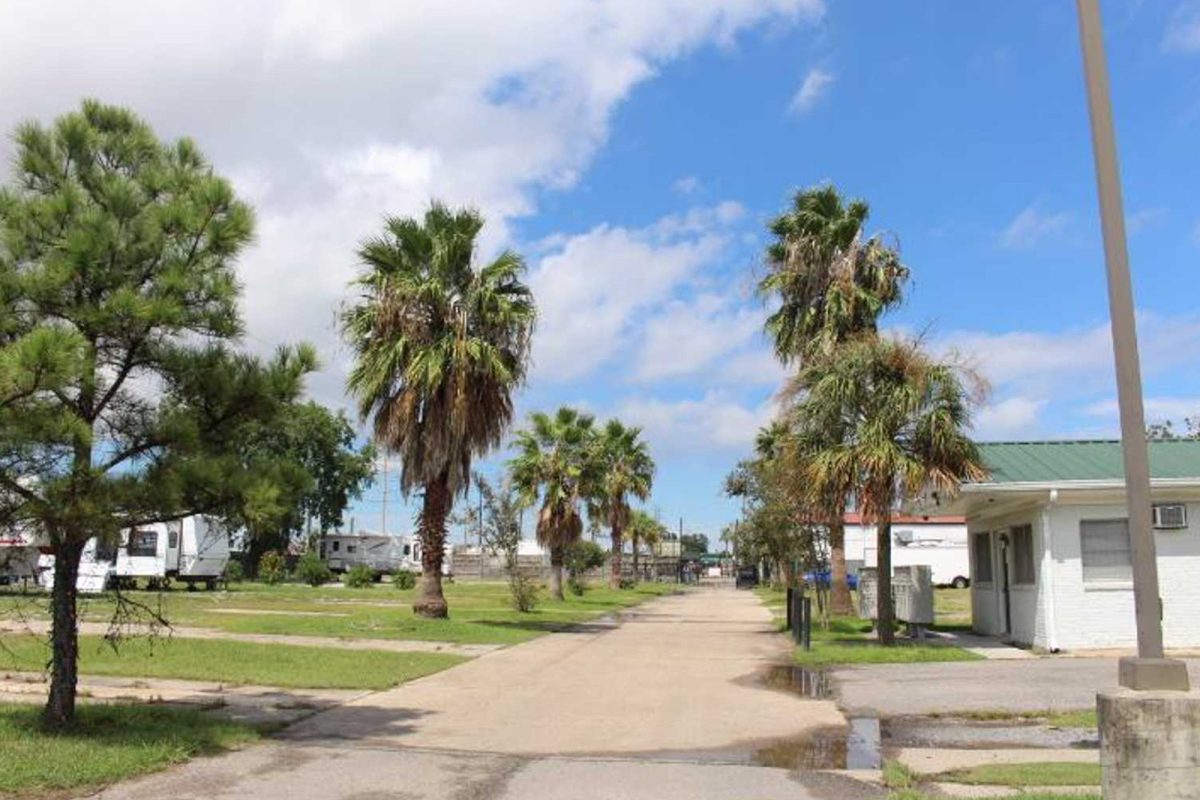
column 1102, row 615
column 1022, row 624
column 941, row 546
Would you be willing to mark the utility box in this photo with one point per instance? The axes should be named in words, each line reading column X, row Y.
column 912, row 591
column 868, row 590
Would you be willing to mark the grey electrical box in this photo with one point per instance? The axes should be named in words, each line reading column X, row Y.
column 912, row 590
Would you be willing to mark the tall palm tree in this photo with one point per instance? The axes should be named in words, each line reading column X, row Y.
column 439, row 345
column 832, row 284
column 624, row 470
column 643, row 530
column 556, row 462
column 901, row 419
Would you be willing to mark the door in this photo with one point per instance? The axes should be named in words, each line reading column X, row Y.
column 1004, row 593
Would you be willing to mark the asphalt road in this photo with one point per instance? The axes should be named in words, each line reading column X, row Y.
column 663, row 705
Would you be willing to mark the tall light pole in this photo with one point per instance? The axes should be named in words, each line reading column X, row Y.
column 1150, row 670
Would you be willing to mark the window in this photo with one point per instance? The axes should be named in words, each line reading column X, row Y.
column 1104, row 544
column 143, row 543
column 1023, row 560
column 350, row 548
column 408, row 549
column 172, row 539
column 981, row 552
column 337, row 546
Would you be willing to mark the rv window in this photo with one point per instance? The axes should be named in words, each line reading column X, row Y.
column 350, row 548
column 981, row 553
column 105, row 552
column 1023, row 561
column 337, row 546
column 1104, row 544
column 172, row 539
column 143, row 543
column 408, row 549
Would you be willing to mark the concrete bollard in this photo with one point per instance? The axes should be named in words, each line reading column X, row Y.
column 1149, row 744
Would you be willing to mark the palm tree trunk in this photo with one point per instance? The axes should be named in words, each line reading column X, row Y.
column 884, row 610
column 430, row 601
column 839, row 591
column 557, row 557
column 64, row 637
column 637, row 575
column 614, row 576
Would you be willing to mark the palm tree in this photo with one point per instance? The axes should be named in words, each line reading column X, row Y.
column 643, row 530
column 624, row 469
column 900, row 419
column 439, row 347
column 555, row 462
column 831, row 285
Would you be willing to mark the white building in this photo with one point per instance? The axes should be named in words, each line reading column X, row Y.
column 1049, row 543
column 937, row 540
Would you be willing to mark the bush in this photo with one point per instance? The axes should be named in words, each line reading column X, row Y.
column 312, row 570
column 234, row 572
column 575, row 586
column 628, row 583
column 405, row 579
column 360, row 576
column 272, row 567
column 583, row 556
column 522, row 592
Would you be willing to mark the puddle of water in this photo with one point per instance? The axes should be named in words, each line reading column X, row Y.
column 811, row 683
column 858, row 747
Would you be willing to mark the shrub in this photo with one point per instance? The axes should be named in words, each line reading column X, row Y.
column 272, row 567
column 312, row 570
column 234, row 572
column 628, row 583
column 575, row 586
column 404, row 579
column 522, row 591
column 360, row 576
column 583, row 556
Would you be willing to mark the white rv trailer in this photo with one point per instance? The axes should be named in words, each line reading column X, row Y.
column 19, row 554
column 191, row 550
column 381, row 552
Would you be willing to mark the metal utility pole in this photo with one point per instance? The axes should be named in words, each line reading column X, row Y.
column 385, row 487
column 1149, row 670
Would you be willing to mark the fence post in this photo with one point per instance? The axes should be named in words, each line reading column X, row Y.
column 806, row 607
column 790, row 626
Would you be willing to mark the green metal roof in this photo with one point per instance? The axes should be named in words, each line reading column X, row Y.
column 1084, row 460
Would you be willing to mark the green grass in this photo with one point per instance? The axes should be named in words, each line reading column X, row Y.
column 234, row 662
column 849, row 640
column 1077, row 718
column 479, row 612
column 1050, row 773
column 952, row 608
column 110, row 743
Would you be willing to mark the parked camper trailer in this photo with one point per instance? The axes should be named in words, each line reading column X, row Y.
column 382, row 553
column 18, row 557
column 193, row 550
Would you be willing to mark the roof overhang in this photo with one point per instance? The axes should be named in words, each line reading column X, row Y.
column 976, row 498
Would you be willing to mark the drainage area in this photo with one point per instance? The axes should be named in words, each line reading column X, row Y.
column 811, row 683
column 858, row 747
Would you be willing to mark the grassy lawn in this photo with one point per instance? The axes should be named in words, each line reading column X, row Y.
column 479, row 612
column 850, row 641
column 112, row 742
column 1077, row 718
column 234, row 662
column 952, row 608
column 1042, row 774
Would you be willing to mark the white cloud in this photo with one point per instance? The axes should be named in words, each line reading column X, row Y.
column 1182, row 34
column 715, row 421
column 688, row 184
column 331, row 115
column 1140, row 220
column 686, row 337
column 1031, row 226
column 1013, row 417
column 1157, row 409
column 591, row 286
column 814, row 86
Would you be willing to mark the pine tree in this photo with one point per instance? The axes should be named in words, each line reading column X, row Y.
column 121, row 396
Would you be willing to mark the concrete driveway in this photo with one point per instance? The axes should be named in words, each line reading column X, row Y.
column 662, row 705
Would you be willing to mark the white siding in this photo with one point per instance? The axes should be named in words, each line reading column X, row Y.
column 987, row 597
column 1098, row 615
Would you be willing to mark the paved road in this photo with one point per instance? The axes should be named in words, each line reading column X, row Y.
column 663, row 705
column 1059, row 683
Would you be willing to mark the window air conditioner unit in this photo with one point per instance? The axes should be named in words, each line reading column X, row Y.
column 1170, row 516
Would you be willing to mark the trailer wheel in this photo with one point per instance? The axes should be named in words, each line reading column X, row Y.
column 210, row 585
column 960, row 582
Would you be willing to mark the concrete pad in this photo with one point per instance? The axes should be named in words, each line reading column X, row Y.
column 925, row 761
column 1038, row 684
column 677, row 675
column 988, row 647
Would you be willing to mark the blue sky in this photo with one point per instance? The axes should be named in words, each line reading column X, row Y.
column 633, row 153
